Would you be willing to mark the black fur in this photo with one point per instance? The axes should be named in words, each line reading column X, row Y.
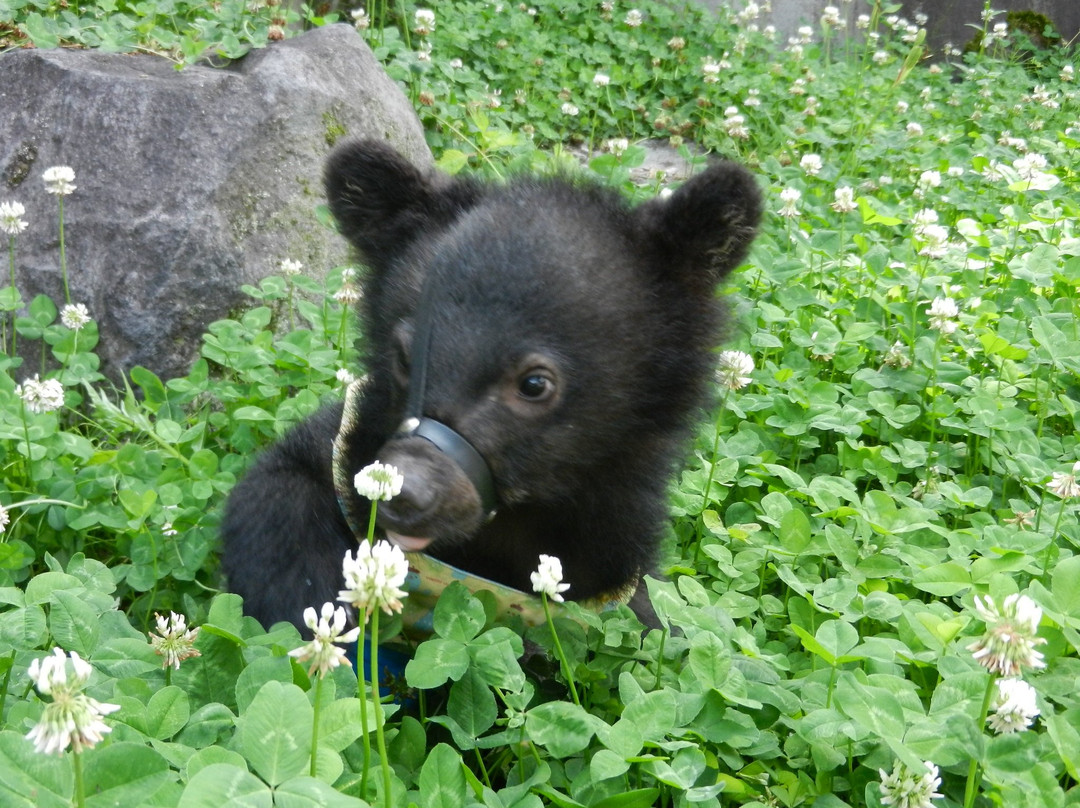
column 614, row 307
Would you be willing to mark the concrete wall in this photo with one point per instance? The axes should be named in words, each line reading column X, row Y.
column 948, row 19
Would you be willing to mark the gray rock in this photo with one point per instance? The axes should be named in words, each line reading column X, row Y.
column 189, row 182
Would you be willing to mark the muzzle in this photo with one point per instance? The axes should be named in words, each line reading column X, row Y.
column 443, row 437
column 459, row 450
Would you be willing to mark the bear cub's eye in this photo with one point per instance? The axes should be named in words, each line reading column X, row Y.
column 533, row 385
column 536, row 385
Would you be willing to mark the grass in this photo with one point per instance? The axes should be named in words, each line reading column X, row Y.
column 906, row 444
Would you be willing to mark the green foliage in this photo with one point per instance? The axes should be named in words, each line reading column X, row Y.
column 136, row 477
column 891, row 459
column 183, row 31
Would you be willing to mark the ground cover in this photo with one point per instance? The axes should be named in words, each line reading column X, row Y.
column 871, row 576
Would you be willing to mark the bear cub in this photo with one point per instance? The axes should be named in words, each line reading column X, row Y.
column 560, row 334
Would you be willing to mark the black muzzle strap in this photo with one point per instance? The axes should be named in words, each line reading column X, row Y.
column 445, row 439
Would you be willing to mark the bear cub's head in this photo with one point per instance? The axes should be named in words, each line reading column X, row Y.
column 562, row 335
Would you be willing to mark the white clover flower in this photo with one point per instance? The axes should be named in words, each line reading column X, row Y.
column 711, row 70
column 1047, row 98
column 904, row 788
column 174, row 641
column 75, row 316
column 569, row 109
column 1065, row 485
column 41, row 396
column 5, row 518
column 897, row 356
column 930, row 179
column 830, row 17
column 994, row 171
column 733, row 369
column 547, row 579
column 59, row 180
column 361, row 19
column 751, row 11
column 10, row 221
column 735, row 124
column 1029, row 168
column 676, row 43
column 424, row 21
column 1006, row 138
column 913, row 129
column 880, row 57
column 634, row 18
column 805, row 35
column 344, row 376
column 862, row 22
column 844, row 200
column 1009, row 642
column 1014, row 706
column 50, row 673
column 618, row 145
column 601, row 80
column 811, row 164
column 322, row 651
column 72, row 719
column 347, row 295
column 1068, row 73
column 935, row 240
column 290, row 267
column 1029, row 165
column 373, row 579
column 1021, row 519
column 925, row 217
column 790, row 197
column 378, row 482
column 943, row 313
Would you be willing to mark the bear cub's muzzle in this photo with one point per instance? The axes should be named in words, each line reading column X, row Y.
column 439, row 500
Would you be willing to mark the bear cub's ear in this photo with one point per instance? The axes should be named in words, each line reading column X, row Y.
column 382, row 202
column 704, row 229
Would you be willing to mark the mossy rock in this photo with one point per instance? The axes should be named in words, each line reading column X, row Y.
column 1037, row 32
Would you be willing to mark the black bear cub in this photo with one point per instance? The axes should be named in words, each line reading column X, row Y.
column 561, row 338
